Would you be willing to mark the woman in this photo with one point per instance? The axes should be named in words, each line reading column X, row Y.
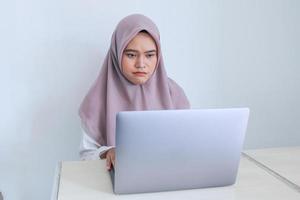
column 132, row 77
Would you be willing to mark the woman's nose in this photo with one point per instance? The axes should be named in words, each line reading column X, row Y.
column 140, row 62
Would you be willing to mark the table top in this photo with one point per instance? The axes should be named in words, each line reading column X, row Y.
column 89, row 180
column 283, row 161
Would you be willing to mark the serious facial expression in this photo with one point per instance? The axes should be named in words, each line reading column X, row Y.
column 139, row 58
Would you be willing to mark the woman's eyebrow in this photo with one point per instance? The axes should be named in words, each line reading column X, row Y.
column 126, row 50
column 150, row 51
column 133, row 50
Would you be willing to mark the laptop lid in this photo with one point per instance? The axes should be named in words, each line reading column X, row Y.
column 178, row 149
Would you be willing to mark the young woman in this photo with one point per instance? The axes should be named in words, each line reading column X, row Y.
column 132, row 77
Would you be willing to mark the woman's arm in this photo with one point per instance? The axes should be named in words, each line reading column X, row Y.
column 90, row 149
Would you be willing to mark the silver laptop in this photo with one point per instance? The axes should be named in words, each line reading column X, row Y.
column 177, row 149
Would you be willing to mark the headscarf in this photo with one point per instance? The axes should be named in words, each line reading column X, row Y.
column 112, row 92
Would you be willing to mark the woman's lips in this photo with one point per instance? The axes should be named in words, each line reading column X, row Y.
column 140, row 73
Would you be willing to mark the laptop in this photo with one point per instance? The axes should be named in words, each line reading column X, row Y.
column 167, row 150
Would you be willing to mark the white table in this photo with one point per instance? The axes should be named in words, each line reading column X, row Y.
column 283, row 162
column 89, row 180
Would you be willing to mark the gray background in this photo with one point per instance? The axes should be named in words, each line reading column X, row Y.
column 223, row 53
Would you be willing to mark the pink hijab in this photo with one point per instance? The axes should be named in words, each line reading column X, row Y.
column 112, row 92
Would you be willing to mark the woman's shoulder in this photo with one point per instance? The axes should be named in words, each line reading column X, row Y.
column 178, row 95
column 173, row 85
column 175, row 89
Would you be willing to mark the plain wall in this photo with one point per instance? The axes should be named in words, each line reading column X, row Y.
column 223, row 53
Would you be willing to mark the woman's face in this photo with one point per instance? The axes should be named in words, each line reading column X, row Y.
column 139, row 58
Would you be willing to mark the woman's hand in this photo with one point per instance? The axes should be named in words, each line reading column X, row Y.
column 110, row 158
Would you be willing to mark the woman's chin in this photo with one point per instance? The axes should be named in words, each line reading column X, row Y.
column 139, row 81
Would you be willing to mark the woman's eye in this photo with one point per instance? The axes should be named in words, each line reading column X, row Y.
column 130, row 55
column 150, row 55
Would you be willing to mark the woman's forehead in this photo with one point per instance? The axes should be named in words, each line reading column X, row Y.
column 142, row 41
